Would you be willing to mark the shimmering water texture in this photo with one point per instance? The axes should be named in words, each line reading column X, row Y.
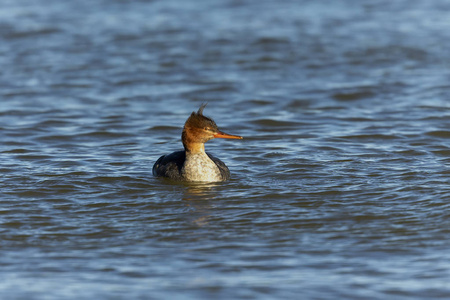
column 339, row 190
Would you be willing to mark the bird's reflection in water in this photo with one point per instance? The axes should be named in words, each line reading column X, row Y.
column 198, row 198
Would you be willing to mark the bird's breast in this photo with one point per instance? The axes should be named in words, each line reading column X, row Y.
column 199, row 167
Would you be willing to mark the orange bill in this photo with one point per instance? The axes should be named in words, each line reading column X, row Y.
column 224, row 135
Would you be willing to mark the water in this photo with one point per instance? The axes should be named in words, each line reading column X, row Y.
column 340, row 189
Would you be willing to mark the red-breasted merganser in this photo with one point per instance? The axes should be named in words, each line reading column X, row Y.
column 194, row 164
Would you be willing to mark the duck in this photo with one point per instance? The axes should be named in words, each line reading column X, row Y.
column 194, row 164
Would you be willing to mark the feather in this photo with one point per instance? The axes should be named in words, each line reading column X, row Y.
column 202, row 107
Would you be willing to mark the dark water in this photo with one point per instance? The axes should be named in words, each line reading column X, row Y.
column 340, row 188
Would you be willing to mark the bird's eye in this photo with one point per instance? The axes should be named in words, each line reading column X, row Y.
column 207, row 129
